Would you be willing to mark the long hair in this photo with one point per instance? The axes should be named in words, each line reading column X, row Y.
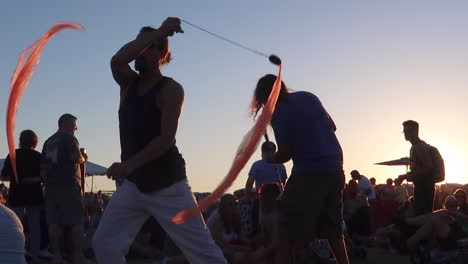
column 163, row 45
column 222, row 209
column 262, row 92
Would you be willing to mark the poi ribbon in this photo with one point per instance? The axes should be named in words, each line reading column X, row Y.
column 244, row 152
column 28, row 61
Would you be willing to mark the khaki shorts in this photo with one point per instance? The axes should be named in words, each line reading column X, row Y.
column 64, row 205
column 311, row 206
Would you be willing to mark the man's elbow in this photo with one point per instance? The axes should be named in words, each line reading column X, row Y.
column 168, row 139
column 116, row 63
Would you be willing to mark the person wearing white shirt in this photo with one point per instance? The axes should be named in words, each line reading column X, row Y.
column 364, row 185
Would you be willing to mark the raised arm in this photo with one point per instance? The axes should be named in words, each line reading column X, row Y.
column 249, row 184
column 121, row 71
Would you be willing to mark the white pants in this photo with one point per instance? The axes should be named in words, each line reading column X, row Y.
column 129, row 209
column 11, row 237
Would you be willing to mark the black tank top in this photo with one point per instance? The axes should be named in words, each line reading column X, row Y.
column 139, row 123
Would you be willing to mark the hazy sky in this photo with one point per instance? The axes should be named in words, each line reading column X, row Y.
column 373, row 64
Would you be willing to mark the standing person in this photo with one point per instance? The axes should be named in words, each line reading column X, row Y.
column 311, row 204
column 60, row 169
column 25, row 197
column 421, row 168
column 152, row 171
column 263, row 172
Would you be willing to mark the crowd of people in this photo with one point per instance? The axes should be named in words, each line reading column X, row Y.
column 310, row 215
column 392, row 222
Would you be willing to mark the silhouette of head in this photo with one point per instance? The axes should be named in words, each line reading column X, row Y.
column 355, row 175
column 227, row 204
column 262, row 92
column 460, row 195
column 451, row 203
column 269, row 191
column 411, row 130
column 397, row 181
column 156, row 55
column 268, row 150
column 67, row 123
column 389, row 182
column 28, row 139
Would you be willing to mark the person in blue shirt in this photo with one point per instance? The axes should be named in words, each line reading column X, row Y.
column 311, row 204
column 263, row 172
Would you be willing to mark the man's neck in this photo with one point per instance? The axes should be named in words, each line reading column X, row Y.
column 65, row 131
column 153, row 74
column 415, row 141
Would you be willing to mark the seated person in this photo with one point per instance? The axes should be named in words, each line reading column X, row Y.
column 248, row 210
column 461, row 197
column 442, row 228
column 395, row 235
column 149, row 241
column 225, row 227
column 358, row 217
column 386, row 205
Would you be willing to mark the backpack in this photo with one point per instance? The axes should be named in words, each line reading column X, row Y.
column 438, row 173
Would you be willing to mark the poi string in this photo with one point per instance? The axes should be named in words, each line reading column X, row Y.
column 244, row 152
column 273, row 58
column 228, row 40
column 28, row 61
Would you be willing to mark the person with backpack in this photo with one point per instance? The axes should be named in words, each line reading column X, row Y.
column 426, row 168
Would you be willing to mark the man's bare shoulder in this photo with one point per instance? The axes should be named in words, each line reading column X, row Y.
column 172, row 90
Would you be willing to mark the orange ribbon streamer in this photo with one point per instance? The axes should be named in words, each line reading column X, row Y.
column 28, row 61
column 247, row 147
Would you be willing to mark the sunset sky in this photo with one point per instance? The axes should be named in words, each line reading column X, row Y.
column 373, row 64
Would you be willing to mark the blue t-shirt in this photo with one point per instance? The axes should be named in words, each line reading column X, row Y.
column 301, row 122
column 264, row 172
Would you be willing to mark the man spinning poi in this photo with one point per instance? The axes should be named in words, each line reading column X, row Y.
column 152, row 171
